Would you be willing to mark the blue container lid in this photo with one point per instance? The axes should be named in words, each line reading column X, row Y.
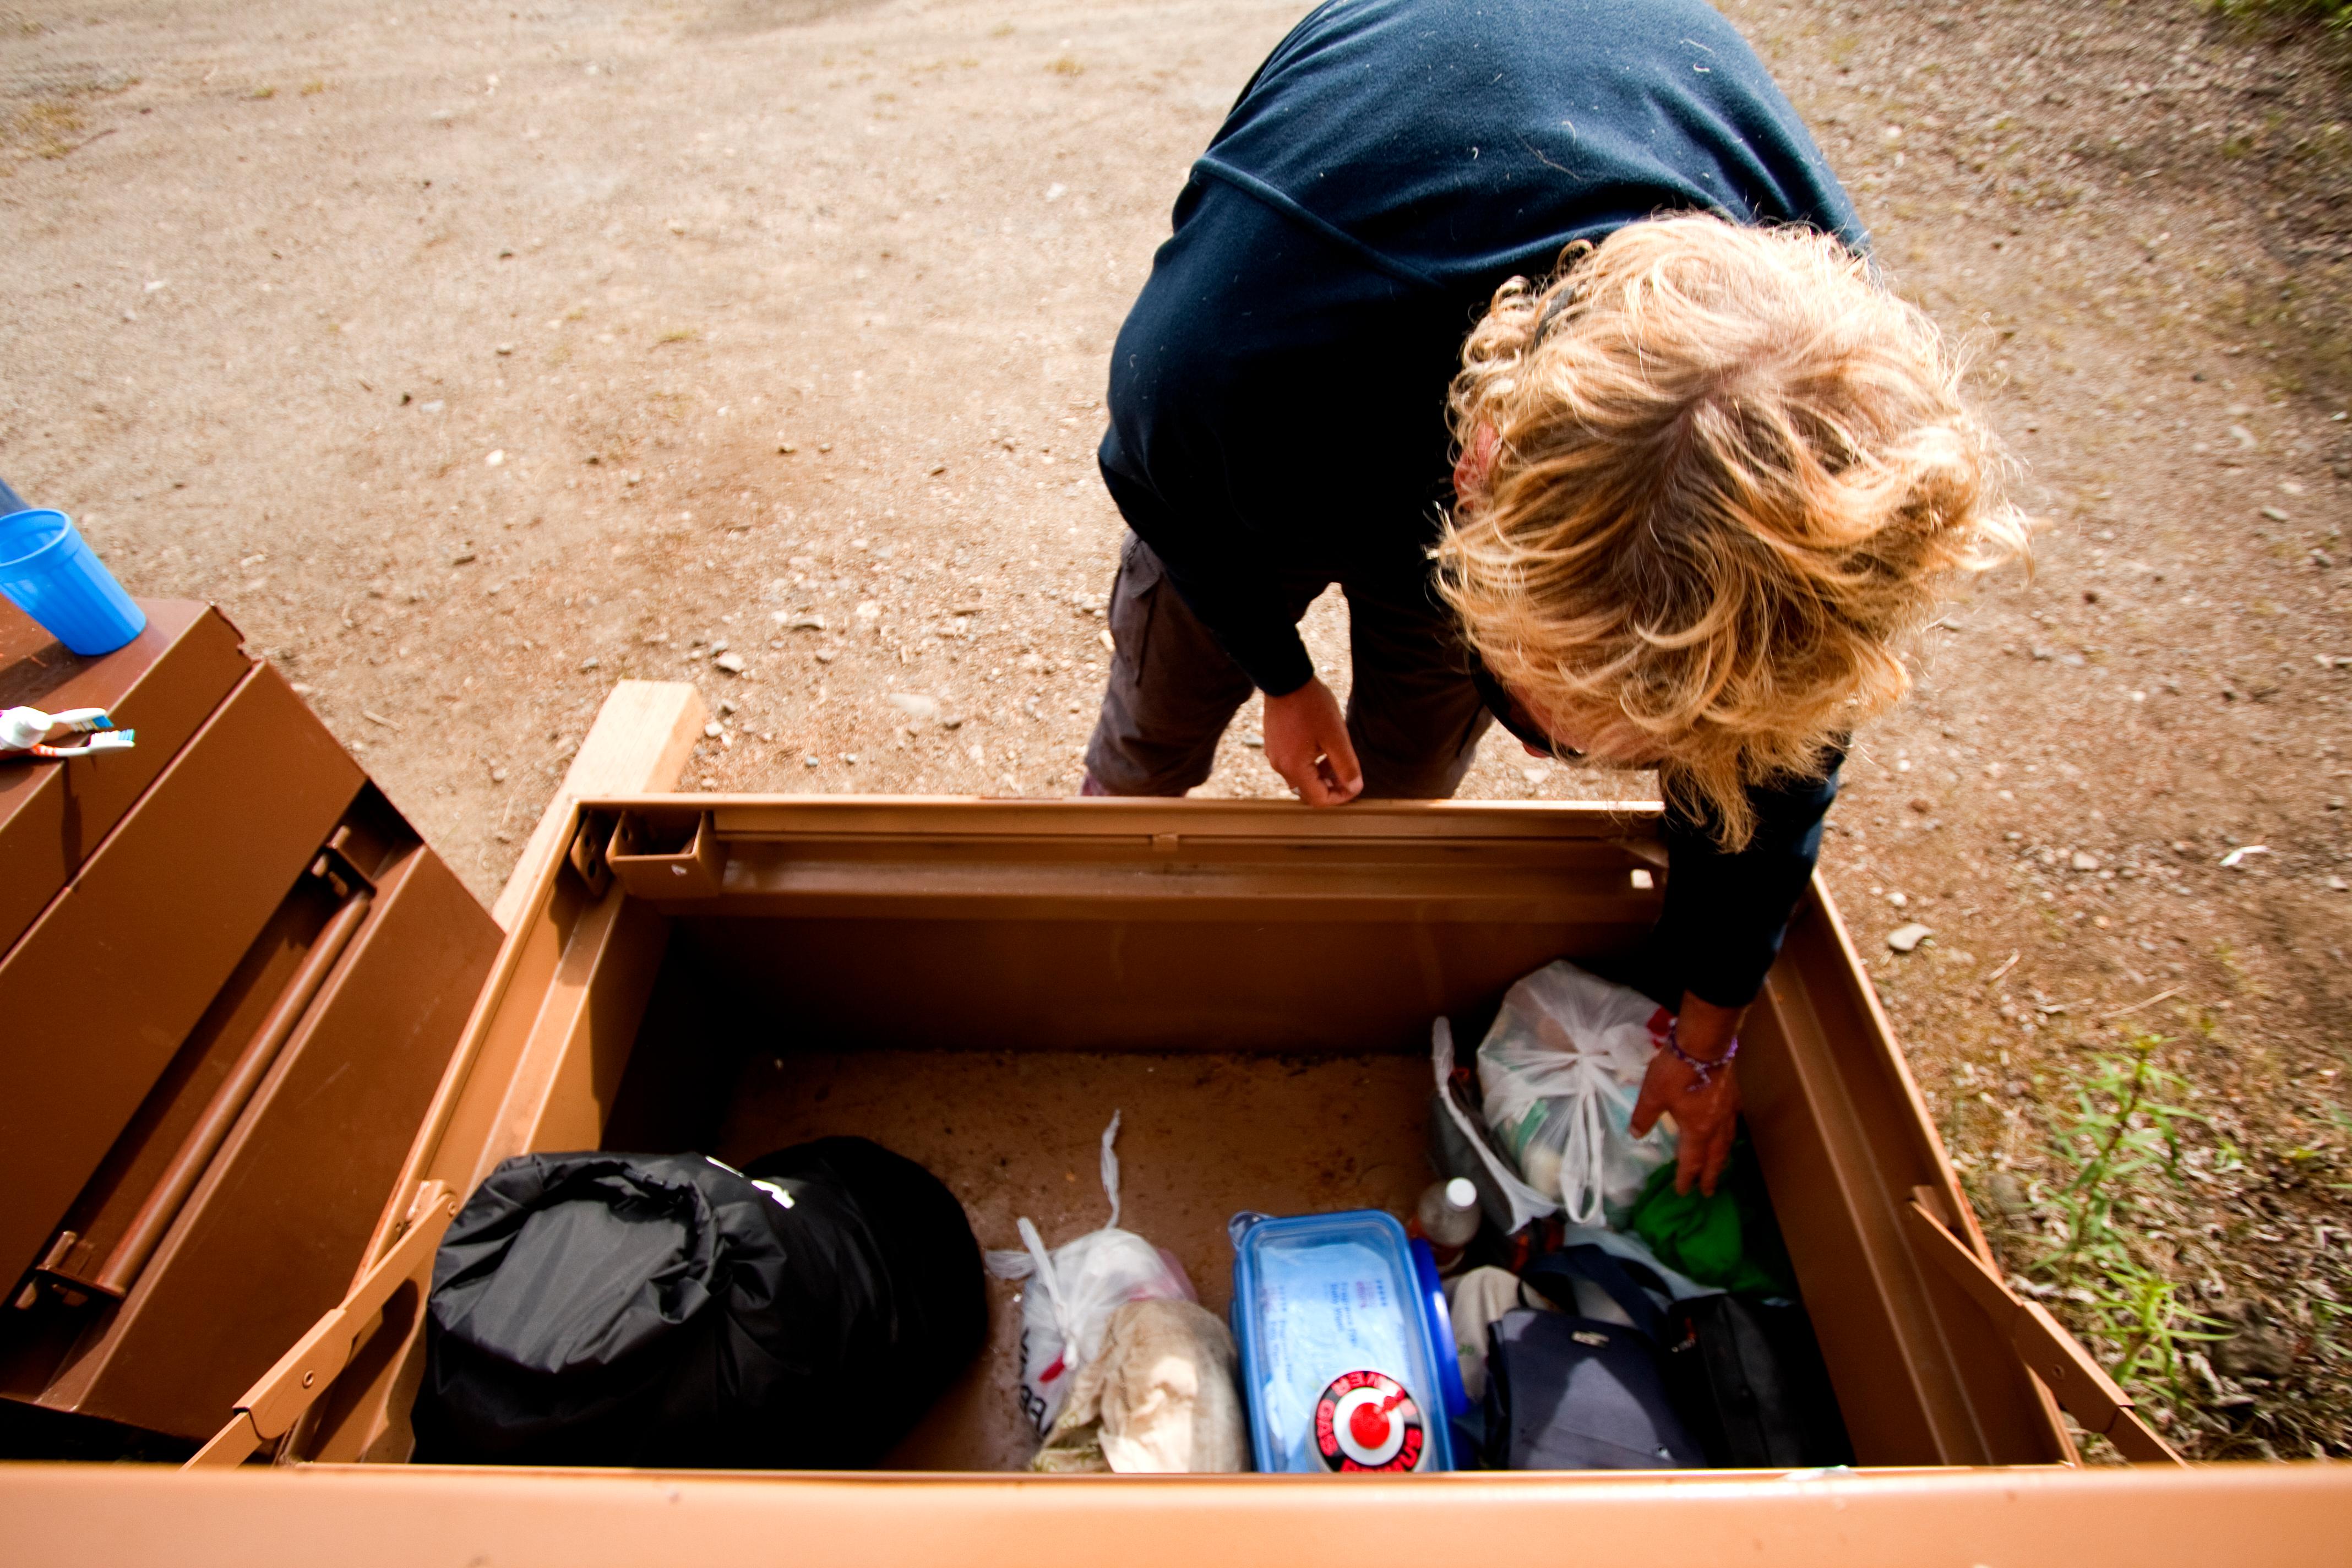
column 1441, row 1329
column 1338, row 1362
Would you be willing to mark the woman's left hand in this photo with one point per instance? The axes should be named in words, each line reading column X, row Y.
column 1707, row 1114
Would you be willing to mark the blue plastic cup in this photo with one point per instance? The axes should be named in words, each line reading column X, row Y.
column 51, row 573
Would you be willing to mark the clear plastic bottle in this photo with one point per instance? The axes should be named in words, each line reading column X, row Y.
column 1447, row 1218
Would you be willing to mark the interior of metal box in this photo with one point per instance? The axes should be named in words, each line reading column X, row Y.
column 980, row 986
column 995, row 1052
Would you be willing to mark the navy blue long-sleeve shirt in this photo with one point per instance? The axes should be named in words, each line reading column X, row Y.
column 1277, row 394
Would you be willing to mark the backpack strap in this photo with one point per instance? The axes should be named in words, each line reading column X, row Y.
column 1556, row 1274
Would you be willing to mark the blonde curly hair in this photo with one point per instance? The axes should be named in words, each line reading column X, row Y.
column 1713, row 481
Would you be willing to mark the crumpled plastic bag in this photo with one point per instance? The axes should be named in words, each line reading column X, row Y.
column 1460, row 1147
column 1559, row 1072
column 1160, row 1398
column 1066, row 1310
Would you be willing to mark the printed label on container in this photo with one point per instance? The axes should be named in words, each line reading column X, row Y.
column 1366, row 1421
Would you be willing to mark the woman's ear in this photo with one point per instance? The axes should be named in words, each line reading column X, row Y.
column 1475, row 463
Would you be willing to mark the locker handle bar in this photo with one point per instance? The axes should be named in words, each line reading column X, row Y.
column 170, row 1191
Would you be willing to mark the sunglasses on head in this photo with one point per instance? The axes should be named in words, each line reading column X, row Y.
column 1510, row 715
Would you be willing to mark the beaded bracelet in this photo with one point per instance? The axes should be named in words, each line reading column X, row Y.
column 1705, row 1069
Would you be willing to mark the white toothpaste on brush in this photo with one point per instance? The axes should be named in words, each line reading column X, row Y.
column 29, row 732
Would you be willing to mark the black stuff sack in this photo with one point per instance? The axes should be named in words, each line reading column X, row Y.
column 1749, row 1379
column 668, row 1311
column 1571, row 1393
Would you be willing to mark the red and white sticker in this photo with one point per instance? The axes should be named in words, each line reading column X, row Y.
column 1366, row 1421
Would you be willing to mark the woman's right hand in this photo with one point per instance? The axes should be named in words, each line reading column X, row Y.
column 1306, row 742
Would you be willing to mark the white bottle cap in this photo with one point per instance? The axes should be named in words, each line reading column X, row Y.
column 1461, row 1193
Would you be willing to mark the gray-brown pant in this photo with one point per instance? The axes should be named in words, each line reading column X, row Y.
column 1413, row 713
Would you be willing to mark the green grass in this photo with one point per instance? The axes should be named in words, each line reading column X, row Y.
column 2122, row 1138
column 2335, row 13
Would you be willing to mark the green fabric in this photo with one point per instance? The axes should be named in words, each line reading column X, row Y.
column 1730, row 1240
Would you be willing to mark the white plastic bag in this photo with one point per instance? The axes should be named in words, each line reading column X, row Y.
column 1560, row 1072
column 1526, row 1204
column 1074, row 1290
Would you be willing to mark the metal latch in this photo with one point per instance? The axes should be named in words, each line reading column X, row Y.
column 586, row 854
column 269, row 1410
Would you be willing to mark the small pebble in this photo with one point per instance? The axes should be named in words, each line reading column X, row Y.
column 2008, row 1195
column 732, row 663
column 589, row 663
column 1904, row 939
column 2083, row 860
column 914, row 704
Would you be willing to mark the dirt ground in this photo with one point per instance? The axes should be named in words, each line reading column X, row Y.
column 471, row 360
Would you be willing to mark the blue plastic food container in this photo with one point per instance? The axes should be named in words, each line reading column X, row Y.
column 49, row 571
column 1341, row 1364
